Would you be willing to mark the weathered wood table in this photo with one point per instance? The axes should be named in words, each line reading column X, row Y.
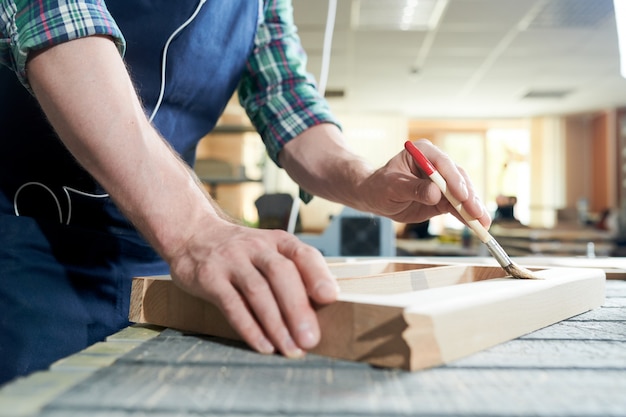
column 573, row 368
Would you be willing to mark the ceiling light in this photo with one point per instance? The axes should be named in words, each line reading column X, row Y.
column 398, row 14
column 547, row 94
column 407, row 14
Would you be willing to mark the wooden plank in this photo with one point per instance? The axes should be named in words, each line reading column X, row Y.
column 583, row 330
column 444, row 324
column 616, row 289
column 282, row 389
column 27, row 396
column 410, row 330
column 613, row 267
column 176, row 374
column 615, row 302
column 528, row 353
column 179, row 349
column 158, row 301
column 602, row 314
column 406, row 277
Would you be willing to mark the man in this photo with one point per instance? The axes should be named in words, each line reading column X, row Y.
column 126, row 90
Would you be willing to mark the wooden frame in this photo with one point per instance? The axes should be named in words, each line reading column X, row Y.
column 404, row 315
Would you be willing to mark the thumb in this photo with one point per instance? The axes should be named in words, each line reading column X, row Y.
column 425, row 191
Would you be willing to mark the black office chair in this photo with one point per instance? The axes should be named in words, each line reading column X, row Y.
column 274, row 211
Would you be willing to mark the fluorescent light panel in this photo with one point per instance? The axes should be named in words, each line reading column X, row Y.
column 421, row 15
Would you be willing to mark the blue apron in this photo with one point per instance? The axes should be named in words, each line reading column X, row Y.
column 67, row 255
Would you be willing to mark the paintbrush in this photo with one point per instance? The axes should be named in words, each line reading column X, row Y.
column 494, row 247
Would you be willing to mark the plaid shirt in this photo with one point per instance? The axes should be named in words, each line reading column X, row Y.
column 278, row 94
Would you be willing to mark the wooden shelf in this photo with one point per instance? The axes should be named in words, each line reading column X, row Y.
column 234, row 129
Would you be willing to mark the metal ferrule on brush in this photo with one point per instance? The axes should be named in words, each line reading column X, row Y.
column 496, row 250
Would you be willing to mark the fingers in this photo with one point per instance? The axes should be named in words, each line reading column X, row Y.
column 321, row 286
column 292, row 300
column 277, row 300
column 473, row 205
column 263, row 282
column 296, row 273
column 268, row 307
column 238, row 314
column 457, row 180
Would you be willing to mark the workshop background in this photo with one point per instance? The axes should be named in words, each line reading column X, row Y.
column 527, row 96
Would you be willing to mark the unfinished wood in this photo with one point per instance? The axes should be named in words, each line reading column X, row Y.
column 158, row 301
column 398, row 277
column 430, row 323
column 178, row 374
column 356, row 268
column 614, row 268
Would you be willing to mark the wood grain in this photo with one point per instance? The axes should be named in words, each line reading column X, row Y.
column 182, row 375
column 405, row 318
column 568, row 369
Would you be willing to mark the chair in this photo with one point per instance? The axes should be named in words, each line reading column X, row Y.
column 274, row 211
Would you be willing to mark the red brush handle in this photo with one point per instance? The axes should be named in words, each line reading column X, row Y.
column 429, row 169
column 419, row 158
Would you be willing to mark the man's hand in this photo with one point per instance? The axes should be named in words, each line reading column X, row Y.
column 322, row 164
column 261, row 280
column 401, row 191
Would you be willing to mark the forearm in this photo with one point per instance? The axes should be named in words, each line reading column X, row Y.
column 84, row 89
column 321, row 163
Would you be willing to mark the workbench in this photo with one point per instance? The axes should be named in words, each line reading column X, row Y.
column 576, row 367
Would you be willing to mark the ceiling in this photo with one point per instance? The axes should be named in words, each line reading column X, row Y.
column 481, row 59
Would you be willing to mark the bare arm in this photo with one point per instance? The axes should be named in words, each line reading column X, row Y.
column 85, row 91
column 260, row 279
column 321, row 163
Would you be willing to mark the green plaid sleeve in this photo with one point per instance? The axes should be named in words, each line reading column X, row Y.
column 27, row 26
column 279, row 96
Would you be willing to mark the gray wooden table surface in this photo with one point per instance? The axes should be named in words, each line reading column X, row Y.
column 574, row 368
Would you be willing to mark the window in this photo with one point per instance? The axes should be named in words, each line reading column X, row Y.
column 497, row 161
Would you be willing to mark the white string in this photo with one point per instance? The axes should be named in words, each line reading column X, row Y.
column 66, row 190
column 321, row 87
column 56, row 200
column 164, row 58
column 327, row 48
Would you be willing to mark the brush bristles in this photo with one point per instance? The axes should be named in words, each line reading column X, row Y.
column 517, row 271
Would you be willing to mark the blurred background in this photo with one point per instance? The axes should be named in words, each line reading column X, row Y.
column 526, row 95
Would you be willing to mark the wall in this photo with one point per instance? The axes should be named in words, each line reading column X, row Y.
column 548, row 179
column 590, row 160
column 571, row 158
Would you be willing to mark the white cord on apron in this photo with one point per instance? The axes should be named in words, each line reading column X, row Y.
column 66, row 189
column 164, row 58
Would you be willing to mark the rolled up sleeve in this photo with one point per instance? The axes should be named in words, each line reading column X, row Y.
column 27, row 26
column 280, row 97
